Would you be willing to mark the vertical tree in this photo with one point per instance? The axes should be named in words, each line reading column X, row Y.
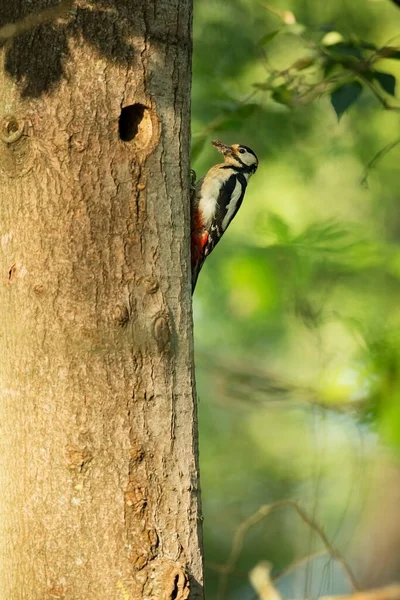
column 98, row 469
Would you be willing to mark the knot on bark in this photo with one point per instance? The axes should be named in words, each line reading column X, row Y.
column 151, row 284
column 57, row 591
column 136, row 454
column 166, row 580
column 176, row 584
column 16, row 271
column 18, row 155
column 162, row 332
column 77, row 458
column 11, row 129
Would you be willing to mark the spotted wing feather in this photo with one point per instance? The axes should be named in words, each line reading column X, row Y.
column 227, row 204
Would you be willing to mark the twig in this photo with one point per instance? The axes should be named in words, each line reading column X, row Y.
column 297, row 563
column 258, row 516
column 377, row 95
column 376, row 159
column 218, row 121
column 286, row 16
column 389, row 592
column 260, row 579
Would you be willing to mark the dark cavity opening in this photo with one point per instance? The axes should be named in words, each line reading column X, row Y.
column 12, row 126
column 130, row 118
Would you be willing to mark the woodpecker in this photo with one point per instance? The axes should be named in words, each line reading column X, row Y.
column 216, row 198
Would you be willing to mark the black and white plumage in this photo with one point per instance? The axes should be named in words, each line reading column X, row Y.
column 217, row 198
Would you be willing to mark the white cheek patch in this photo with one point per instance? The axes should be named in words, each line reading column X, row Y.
column 231, row 208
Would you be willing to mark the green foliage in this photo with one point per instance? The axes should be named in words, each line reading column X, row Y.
column 331, row 63
column 297, row 311
column 268, row 37
column 346, row 65
column 386, row 81
column 344, row 96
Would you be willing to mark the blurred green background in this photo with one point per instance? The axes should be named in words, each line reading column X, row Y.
column 297, row 312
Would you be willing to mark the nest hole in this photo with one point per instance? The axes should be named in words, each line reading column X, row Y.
column 132, row 122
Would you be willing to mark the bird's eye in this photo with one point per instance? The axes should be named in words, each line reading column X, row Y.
column 242, row 150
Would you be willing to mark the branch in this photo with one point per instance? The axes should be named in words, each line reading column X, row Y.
column 390, row 592
column 377, row 158
column 260, row 579
column 258, row 516
column 385, row 104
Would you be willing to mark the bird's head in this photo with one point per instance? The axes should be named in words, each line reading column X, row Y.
column 238, row 156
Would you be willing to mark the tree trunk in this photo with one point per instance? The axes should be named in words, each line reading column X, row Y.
column 98, row 431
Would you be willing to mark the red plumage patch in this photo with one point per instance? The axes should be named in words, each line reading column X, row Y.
column 199, row 238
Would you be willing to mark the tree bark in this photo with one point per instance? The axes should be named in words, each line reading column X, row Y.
column 99, row 490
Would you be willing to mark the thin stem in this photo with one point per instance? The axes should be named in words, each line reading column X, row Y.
column 376, row 159
column 377, row 95
column 258, row 516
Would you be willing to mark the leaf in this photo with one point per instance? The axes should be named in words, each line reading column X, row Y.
column 324, row 234
column 279, row 227
column 344, row 96
column 262, row 86
column 245, row 110
column 345, row 50
column 386, row 81
column 268, row 83
column 268, row 37
column 326, row 239
column 389, row 52
column 289, row 18
column 367, row 45
column 302, row 63
column 329, row 66
column 283, row 95
column 325, row 28
column 331, row 38
column 295, row 28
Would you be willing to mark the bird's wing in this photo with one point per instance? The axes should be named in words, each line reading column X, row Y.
column 228, row 203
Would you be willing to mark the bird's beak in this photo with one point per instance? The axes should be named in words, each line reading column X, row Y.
column 225, row 150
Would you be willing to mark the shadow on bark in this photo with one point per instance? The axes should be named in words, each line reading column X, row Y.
column 36, row 58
